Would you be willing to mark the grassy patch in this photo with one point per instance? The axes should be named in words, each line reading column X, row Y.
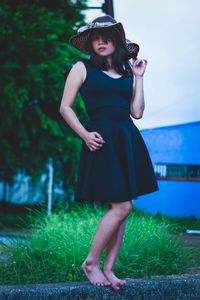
column 60, row 243
column 180, row 224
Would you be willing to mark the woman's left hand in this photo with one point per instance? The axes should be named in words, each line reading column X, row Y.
column 138, row 66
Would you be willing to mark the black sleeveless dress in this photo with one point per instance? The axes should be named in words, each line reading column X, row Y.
column 121, row 169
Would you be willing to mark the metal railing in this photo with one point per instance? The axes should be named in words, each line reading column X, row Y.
column 177, row 171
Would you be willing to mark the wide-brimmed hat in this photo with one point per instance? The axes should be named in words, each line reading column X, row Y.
column 79, row 40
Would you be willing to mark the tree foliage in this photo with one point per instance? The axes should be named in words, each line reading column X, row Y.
column 35, row 59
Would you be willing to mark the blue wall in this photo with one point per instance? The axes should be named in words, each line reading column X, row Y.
column 177, row 144
column 174, row 144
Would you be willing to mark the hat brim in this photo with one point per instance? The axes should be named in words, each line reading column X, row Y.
column 132, row 49
column 79, row 40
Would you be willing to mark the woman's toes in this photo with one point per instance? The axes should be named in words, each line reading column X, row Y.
column 122, row 282
column 103, row 283
column 116, row 287
column 100, row 283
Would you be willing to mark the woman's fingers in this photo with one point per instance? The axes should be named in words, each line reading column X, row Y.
column 95, row 141
column 100, row 140
column 97, row 135
column 139, row 61
column 94, row 145
column 97, row 144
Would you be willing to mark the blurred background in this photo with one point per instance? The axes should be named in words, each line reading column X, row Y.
column 39, row 152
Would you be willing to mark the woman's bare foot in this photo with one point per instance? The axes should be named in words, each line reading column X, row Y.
column 94, row 274
column 116, row 282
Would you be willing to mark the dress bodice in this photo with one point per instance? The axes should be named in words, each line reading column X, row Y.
column 99, row 90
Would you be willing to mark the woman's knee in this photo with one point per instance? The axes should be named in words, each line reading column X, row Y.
column 121, row 209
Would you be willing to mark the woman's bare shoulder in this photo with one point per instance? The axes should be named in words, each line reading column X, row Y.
column 80, row 69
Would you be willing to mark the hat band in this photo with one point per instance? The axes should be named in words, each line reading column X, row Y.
column 95, row 25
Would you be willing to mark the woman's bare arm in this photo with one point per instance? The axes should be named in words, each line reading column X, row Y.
column 73, row 83
column 137, row 102
column 74, row 80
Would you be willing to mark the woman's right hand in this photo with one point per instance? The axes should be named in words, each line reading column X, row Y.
column 94, row 140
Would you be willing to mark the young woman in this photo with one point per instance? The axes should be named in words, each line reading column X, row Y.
column 115, row 166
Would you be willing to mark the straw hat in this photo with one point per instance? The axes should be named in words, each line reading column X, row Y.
column 79, row 40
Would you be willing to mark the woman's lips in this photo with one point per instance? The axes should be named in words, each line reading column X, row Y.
column 102, row 49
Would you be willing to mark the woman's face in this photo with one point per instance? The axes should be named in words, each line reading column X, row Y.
column 101, row 45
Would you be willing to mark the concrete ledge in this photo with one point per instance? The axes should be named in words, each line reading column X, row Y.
column 182, row 287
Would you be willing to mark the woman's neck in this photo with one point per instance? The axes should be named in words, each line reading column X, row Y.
column 109, row 60
column 110, row 65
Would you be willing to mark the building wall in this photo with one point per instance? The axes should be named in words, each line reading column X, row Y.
column 177, row 144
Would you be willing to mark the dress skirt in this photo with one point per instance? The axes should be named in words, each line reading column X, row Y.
column 121, row 169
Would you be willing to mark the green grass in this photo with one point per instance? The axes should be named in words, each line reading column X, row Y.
column 60, row 243
column 180, row 224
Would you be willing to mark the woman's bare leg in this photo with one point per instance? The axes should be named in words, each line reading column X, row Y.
column 105, row 230
column 112, row 250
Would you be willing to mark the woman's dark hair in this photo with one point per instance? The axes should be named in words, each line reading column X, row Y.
column 120, row 56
